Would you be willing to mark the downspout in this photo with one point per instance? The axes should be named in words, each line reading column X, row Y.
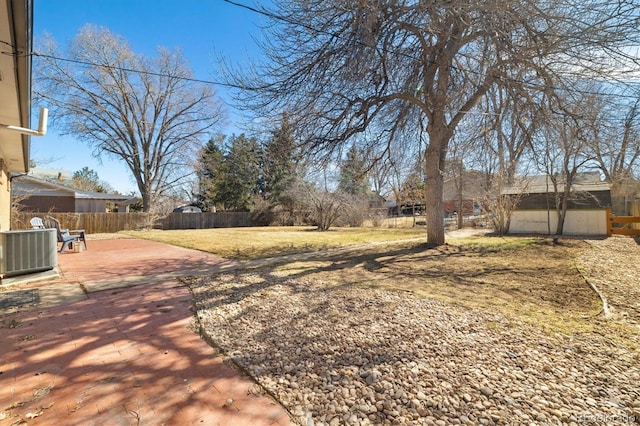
column 42, row 125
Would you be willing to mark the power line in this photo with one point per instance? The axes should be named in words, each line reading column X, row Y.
column 244, row 87
column 271, row 15
column 309, row 27
column 131, row 70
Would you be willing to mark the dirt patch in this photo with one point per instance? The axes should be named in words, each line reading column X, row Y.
column 543, row 274
column 537, row 281
column 12, row 299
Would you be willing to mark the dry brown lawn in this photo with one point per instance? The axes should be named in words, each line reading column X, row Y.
column 261, row 242
column 527, row 279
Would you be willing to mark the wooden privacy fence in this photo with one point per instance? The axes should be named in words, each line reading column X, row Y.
column 206, row 220
column 94, row 223
column 630, row 225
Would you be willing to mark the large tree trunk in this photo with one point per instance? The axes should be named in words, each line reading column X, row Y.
column 434, row 184
column 145, row 194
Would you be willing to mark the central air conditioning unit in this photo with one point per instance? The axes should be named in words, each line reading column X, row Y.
column 28, row 251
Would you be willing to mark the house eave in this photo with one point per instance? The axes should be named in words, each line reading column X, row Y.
column 16, row 27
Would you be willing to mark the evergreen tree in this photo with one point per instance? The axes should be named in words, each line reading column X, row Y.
column 239, row 174
column 353, row 173
column 87, row 179
column 279, row 163
column 210, row 173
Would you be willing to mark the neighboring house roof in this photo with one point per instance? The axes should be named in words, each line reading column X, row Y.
column 187, row 209
column 63, row 177
column 16, row 28
column 30, row 186
column 472, row 186
column 541, row 184
column 375, row 197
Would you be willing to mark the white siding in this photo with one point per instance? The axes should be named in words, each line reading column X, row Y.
column 577, row 222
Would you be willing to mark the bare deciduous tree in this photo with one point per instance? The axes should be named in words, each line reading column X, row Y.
column 510, row 121
column 343, row 68
column 564, row 149
column 503, row 140
column 315, row 204
column 499, row 206
column 143, row 111
column 327, row 207
column 615, row 147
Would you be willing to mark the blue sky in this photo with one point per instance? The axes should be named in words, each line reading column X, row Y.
column 202, row 28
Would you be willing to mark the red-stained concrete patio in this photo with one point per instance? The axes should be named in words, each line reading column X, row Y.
column 124, row 350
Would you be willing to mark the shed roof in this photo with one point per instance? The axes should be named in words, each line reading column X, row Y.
column 542, row 184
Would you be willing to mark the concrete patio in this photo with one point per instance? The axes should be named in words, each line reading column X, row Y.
column 113, row 341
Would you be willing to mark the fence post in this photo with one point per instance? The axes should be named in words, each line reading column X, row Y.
column 609, row 223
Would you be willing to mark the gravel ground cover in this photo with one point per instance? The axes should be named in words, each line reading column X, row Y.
column 340, row 355
column 613, row 266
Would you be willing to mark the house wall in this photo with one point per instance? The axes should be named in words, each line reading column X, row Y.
column 451, row 206
column 577, row 200
column 90, row 206
column 39, row 204
column 577, row 222
column 5, row 198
